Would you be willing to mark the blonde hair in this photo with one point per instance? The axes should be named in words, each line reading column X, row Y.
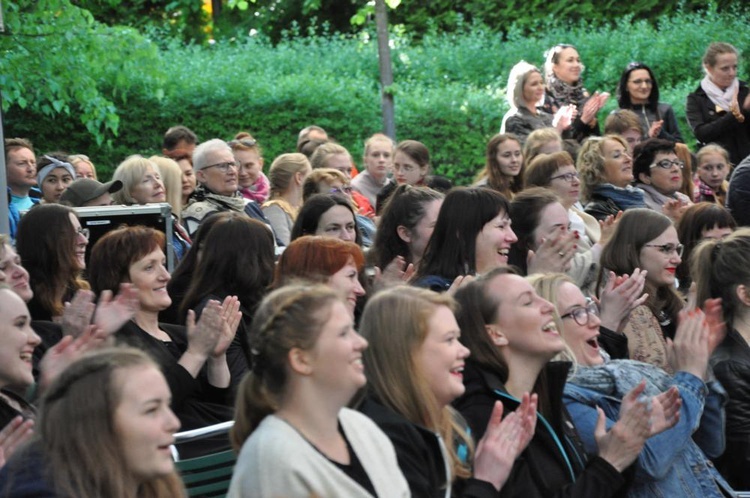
column 538, row 139
column 171, row 175
column 378, row 137
column 130, row 172
column 392, row 372
column 318, row 176
column 323, row 153
column 283, row 170
column 289, row 317
column 81, row 158
column 590, row 163
column 547, row 286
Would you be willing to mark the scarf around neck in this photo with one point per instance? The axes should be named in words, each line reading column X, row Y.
column 565, row 93
column 722, row 98
column 232, row 203
column 625, row 198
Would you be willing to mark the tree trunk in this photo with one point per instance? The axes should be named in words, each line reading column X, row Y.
column 386, row 69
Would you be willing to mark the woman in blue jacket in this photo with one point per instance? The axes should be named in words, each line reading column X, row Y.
column 674, row 460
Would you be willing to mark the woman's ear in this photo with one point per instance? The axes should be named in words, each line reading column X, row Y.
column 743, row 294
column 404, row 233
column 299, row 361
column 496, row 335
column 644, row 178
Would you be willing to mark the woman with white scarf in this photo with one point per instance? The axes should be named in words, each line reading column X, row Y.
column 718, row 110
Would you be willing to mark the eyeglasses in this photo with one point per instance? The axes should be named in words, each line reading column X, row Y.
column 568, row 177
column 224, row 167
column 583, row 314
column 245, row 141
column 640, row 82
column 709, row 168
column 84, row 231
column 346, row 189
column 668, row 249
column 667, row 164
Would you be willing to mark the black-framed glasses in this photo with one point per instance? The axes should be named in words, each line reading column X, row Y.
column 667, row 164
column 668, row 249
column 83, row 231
column 224, row 167
column 568, row 177
column 244, row 141
column 583, row 314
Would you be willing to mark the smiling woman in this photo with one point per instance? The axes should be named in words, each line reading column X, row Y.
column 297, row 439
column 512, row 334
column 414, row 377
column 647, row 240
column 52, row 247
column 472, row 235
column 192, row 358
column 17, row 343
column 104, row 429
column 606, row 171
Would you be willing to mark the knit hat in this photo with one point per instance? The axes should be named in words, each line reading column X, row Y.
column 84, row 190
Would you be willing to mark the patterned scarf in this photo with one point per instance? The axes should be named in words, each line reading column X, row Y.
column 565, row 93
column 625, row 198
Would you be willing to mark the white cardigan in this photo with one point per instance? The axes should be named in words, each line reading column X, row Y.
column 276, row 461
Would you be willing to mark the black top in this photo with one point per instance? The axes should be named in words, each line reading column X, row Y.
column 194, row 400
column 354, row 469
column 419, row 455
column 555, row 463
column 731, row 365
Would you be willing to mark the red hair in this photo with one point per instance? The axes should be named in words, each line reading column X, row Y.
column 315, row 257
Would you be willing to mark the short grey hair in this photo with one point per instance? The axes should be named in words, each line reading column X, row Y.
column 201, row 151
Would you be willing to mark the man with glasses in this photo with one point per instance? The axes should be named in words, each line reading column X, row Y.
column 20, row 170
column 659, row 173
column 217, row 175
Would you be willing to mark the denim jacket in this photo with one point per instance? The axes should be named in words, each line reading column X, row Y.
column 672, row 463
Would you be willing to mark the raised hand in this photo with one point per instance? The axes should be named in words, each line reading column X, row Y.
column 231, row 316
column 111, row 314
column 77, row 313
column 607, row 227
column 504, row 440
column 395, row 273
column 14, row 434
column 655, row 128
column 665, row 410
column 689, row 352
column 620, row 296
column 203, row 336
column 554, row 254
column 68, row 350
column 459, row 282
column 717, row 328
column 621, row 445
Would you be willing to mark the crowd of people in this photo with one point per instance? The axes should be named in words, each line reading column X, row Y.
column 572, row 325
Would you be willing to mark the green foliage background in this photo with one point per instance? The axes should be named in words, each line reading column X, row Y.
column 110, row 92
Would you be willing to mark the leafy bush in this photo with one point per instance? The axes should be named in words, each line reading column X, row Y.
column 449, row 88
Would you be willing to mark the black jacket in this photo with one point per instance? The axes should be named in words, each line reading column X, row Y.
column 731, row 364
column 719, row 127
column 555, row 463
column 419, row 454
column 738, row 193
column 600, row 207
